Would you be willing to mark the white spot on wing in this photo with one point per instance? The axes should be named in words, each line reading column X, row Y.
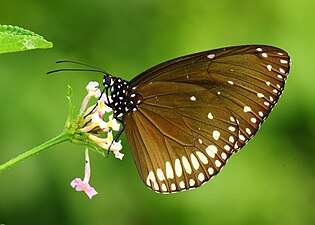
column 193, row 98
column 230, row 82
column 201, row 177
column 182, row 184
column 260, row 95
column 217, row 163
column 178, row 168
column 194, row 161
column 210, row 116
column 258, row 49
column 160, row 174
column 202, row 157
column 231, row 128
column 186, row 164
column 241, row 137
column 227, row 147
column 210, row 56
column 210, row 170
column 264, row 55
column 216, row 135
column 169, row 170
column 151, row 177
column 247, row 109
column 192, row 182
column 211, row 150
column 269, row 67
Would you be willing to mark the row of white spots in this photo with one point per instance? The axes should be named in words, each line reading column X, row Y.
column 269, row 68
column 178, row 170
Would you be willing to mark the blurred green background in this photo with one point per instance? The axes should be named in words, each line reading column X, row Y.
column 271, row 181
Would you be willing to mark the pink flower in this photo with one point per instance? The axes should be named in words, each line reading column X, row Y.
column 84, row 185
column 80, row 185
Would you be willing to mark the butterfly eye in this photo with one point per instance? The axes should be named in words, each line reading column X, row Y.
column 107, row 80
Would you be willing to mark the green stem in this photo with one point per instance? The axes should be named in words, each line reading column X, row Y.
column 57, row 140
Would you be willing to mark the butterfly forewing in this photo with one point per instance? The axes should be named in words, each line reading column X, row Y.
column 197, row 110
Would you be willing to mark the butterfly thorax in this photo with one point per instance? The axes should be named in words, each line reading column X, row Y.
column 124, row 98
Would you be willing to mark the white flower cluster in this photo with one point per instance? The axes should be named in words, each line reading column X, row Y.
column 94, row 121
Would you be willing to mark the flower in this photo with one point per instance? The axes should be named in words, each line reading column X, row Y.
column 94, row 124
column 109, row 143
column 93, row 131
column 84, row 185
column 92, row 89
column 113, row 123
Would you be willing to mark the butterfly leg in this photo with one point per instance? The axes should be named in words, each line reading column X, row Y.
column 117, row 135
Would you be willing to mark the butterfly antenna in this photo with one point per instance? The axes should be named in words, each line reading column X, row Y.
column 94, row 68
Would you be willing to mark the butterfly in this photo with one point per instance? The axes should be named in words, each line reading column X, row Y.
column 185, row 117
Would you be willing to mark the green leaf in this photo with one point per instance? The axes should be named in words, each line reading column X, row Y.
column 13, row 39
